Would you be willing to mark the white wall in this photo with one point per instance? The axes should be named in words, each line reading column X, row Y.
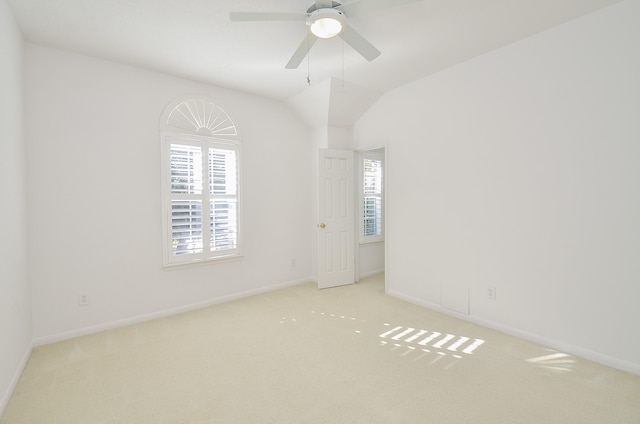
column 371, row 259
column 15, row 300
column 94, row 193
column 522, row 168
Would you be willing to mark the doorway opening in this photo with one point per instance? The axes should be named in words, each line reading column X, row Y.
column 370, row 180
column 351, row 216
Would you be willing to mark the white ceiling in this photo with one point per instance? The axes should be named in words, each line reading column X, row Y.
column 195, row 38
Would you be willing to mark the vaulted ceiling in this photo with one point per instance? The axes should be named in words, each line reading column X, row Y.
column 195, row 39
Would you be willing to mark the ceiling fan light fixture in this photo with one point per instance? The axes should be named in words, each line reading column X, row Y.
column 325, row 23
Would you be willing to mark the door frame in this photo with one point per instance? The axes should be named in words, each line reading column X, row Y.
column 357, row 207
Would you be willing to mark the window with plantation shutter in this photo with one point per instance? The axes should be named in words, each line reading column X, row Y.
column 200, row 171
column 372, row 197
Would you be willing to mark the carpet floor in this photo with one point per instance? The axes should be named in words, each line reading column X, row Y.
column 301, row 355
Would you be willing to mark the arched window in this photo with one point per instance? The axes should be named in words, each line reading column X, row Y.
column 200, row 182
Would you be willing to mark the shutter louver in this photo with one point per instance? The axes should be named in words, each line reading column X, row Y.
column 224, row 225
column 186, row 227
column 186, row 169
column 222, row 172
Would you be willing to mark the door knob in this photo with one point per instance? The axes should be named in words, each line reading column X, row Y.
column 322, row 225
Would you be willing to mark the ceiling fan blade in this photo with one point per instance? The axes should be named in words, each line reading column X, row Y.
column 359, row 43
column 301, row 52
column 266, row 16
column 323, row 4
column 358, row 7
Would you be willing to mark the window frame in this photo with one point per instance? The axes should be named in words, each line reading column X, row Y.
column 376, row 154
column 207, row 255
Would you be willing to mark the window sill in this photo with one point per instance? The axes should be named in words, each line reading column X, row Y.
column 201, row 262
column 376, row 240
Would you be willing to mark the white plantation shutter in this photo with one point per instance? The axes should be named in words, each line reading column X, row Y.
column 186, row 169
column 223, row 205
column 200, row 186
column 372, row 197
column 185, row 163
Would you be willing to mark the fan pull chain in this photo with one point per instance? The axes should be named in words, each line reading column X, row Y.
column 308, row 61
column 343, row 89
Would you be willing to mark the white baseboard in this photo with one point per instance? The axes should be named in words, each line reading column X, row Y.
column 371, row 273
column 6, row 396
column 590, row 355
column 39, row 341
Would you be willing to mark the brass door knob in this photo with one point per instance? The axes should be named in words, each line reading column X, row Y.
column 322, row 225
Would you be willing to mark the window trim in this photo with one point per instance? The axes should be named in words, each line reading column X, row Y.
column 199, row 121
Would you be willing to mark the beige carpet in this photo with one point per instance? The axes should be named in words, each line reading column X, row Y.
column 299, row 355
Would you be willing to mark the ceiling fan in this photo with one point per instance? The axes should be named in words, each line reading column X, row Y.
column 326, row 19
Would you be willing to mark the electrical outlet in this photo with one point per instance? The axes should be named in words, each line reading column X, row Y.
column 83, row 300
column 491, row 293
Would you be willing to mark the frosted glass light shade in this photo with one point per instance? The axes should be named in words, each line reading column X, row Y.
column 326, row 28
column 325, row 23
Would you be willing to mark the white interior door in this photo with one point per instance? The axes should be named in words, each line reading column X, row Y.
column 336, row 263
